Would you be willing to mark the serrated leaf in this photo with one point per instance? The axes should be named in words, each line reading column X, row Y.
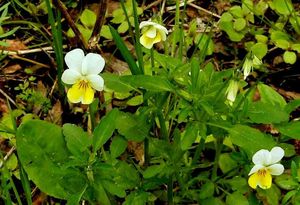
column 77, row 140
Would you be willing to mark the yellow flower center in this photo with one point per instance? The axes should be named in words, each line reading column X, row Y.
column 81, row 91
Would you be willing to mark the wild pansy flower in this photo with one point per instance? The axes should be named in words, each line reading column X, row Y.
column 266, row 164
column 232, row 91
column 83, row 75
column 249, row 63
column 152, row 33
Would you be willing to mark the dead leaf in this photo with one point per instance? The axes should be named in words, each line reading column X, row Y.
column 12, row 69
column 14, row 45
column 54, row 115
column 138, row 151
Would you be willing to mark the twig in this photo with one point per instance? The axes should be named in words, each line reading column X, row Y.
column 169, row 8
column 27, row 51
column 70, row 21
column 203, row 9
column 7, row 96
column 153, row 4
column 5, row 158
column 30, row 61
column 93, row 42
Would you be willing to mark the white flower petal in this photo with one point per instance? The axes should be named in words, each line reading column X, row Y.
column 276, row 154
column 163, row 35
column 151, row 32
column 161, row 28
column 146, row 23
column 262, row 157
column 96, row 81
column 70, row 76
column 92, row 64
column 74, row 59
column 276, row 169
column 255, row 169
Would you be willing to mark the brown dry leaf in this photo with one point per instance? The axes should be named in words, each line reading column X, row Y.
column 138, row 151
column 12, row 69
column 192, row 12
column 42, row 88
column 114, row 64
column 3, row 106
column 287, row 94
column 55, row 114
column 14, row 45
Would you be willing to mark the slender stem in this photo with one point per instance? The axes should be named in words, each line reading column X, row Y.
column 152, row 60
column 170, row 190
column 163, row 128
column 15, row 190
column 198, row 151
column 92, row 117
column 219, row 144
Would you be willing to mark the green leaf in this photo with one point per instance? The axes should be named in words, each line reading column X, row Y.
column 284, row 7
column 282, row 43
column 117, row 146
column 153, row 170
column 136, row 198
column 286, row 182
column 296, row 46
column 291, row 129
column 288, row 196
column 113, row 82
column 289, row 57
column 135, row 101
column 259, row 50
column 250, row 139
column 271, row 195
column 190, row 135
column 266, row 113
column 207, row 190
column 100, row 194
column 239, row 24
column 151, row 83
column 125, row 52
column 88, row 18
column 132, row 127
column 43, row 152
column 292, row 105
column 114, row 188
column 104, row 129
column 236, row 11
column 118, row 16
column 269, row 95
column 226, row 163
column 236, row 198
column 261, row 39
column 105, row 32
column 123, row 27
column 77, row 140
column 205, row 43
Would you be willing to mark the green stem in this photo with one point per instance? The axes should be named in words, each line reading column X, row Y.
column 198, row 151
column 152, row 60
column 170, row 190
column 219, row 144
column 163, row 128
column 92, row 117
column 15, row 190
column 146, row 152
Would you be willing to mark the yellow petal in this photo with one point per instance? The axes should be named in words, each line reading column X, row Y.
column 253, row 180
column 157, row 38
column 74, row 93
column 262, row 178
column 265, row 180
column 81, row 92
column 146, row 41
column 88, row 95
